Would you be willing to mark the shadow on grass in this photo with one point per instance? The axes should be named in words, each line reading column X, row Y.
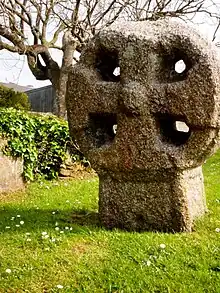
column 35, row 219
column 85, row 217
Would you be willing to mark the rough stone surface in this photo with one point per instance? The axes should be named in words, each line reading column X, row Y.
column 150, row 170
column 10, row 172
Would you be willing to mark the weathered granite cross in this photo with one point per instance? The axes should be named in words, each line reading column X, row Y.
column 167, row 122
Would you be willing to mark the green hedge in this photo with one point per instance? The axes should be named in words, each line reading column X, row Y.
column 10, row 98
column 41, row 141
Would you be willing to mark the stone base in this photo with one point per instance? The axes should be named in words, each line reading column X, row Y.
column 163, row 202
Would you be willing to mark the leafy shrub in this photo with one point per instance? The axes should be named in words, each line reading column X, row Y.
column 10, row 98
column 41, row 141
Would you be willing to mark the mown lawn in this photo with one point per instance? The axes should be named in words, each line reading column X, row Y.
column 51, row 241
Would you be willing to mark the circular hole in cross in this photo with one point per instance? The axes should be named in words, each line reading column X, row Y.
column 107, row 65
column 114, row 128
column 180, row 66
column 100, row 128
column 181, row 126
column 173, row 130
column 116, row 71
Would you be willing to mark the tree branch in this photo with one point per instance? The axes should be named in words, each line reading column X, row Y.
column 12, row 37
column 215, row 32
column 40, row 71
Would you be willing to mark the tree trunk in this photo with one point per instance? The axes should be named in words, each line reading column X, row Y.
column 59, row 107
column 60, row 86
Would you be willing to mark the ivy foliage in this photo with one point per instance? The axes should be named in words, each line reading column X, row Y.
column 41, row 141
column 11, row 98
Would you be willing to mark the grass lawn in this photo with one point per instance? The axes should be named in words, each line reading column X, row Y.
column 50, row 241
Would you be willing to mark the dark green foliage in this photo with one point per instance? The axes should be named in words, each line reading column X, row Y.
column 10, row 98
column 41, row 141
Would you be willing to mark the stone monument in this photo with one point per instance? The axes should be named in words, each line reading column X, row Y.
column 11, row 170
column 167, row 122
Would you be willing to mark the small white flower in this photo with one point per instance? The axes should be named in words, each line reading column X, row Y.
column 67, row 201
column 44, row 233
column 148, row 263
column 53, row 239
column 57, row 228
column 45, row 236
column 59, row 286
column 22, row 222
column 18, row 216
column 56, row 224
column 61, row 232
column 37, row 208
column 17, row 225
column 67, row 228
column 8, row 271
column 12, row 218
column 28, row 239
column 71, row 228
column 53, row 213
column 162, row 246
column 217, row 230
column 7, row 227
column 27, row 234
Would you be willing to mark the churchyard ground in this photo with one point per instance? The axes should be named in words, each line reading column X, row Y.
column 51, row 241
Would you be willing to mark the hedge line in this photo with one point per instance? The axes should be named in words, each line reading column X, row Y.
column 11, row 98
column 42, row 142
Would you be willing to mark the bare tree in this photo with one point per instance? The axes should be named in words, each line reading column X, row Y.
column 33, row 27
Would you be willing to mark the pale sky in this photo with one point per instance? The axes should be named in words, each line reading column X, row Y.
column 14, row 68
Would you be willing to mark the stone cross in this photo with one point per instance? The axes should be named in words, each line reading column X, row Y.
column 143, row 104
